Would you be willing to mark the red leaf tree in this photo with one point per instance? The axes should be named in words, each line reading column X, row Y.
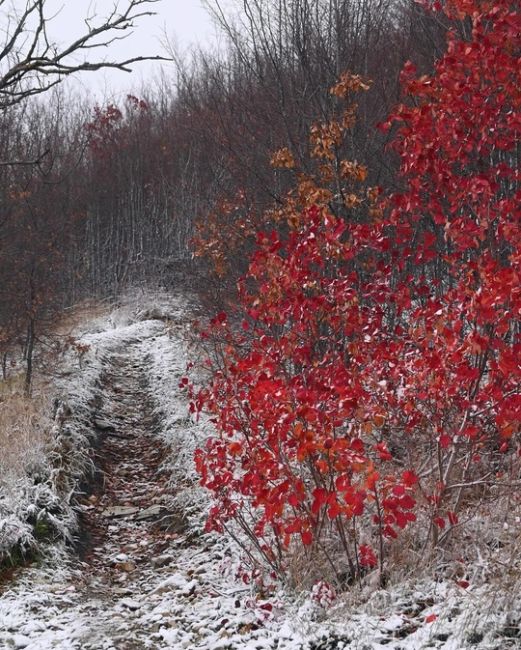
column 377, row 372
column 455, row 236
column 299, row 433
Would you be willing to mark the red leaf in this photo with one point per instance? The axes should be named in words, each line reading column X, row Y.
column 367, row 556
column 444, row 441
column 389, row 531
column 407, row 502
column 383, row 452
column 334, row 510
column 307, row 537
column 320, row 499
column 401, row 519
column 409, row 478
column 452, row 517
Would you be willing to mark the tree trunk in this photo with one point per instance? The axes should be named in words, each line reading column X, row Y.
column 29, row 358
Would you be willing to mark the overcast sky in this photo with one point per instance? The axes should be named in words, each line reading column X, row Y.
column 185, row 22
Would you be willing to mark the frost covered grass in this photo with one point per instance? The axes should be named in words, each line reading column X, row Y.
column 25, row 432
column 167, row 357
column 46, row 440
column 24, row 435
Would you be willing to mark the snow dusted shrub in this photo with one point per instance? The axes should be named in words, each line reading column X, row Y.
column 323, row 594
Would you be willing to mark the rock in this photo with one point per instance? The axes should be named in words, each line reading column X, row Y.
column 130, row 604
column 151, row 512
column 20, row 641
column 161, row 560
column 103, row 425
column 122, row 591
column 120, row 511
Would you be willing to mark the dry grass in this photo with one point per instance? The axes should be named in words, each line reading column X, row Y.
column 11, row 386
column 74, row 317
column 25, row 423
column 24, row 431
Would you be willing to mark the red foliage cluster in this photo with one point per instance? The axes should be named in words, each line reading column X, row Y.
column 377, row 369
column 106, row 130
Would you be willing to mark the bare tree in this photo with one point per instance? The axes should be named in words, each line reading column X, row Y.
column 31, row 63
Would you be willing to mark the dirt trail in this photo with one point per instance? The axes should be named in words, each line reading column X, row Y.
column 129, row 533
column 126, row 519
column 127, row 524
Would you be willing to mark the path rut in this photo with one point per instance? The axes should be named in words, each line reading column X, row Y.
column 127, row 521
column 126, row 516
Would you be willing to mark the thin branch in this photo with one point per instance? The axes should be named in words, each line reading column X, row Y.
column 32, row 66
column 23, row 163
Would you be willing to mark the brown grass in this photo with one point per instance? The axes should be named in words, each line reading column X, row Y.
column 25, row 423
column 25, row 426
column 73, row 317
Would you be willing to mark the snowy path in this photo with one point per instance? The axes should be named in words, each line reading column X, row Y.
column 127, row 530
column 126, row 517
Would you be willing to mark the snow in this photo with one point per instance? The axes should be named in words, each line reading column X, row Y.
column 193, row 595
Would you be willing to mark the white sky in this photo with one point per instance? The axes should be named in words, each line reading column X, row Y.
column 185, row 22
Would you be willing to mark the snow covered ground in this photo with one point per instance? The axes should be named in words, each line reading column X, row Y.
column 143, row 584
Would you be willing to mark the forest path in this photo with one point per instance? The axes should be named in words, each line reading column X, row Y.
column 127, row 524
column 111, row 595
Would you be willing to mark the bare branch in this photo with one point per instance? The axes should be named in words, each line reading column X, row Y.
column 25, row 163
column 29, row 65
